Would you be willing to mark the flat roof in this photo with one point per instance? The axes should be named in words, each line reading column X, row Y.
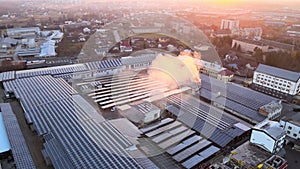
column 250, row 155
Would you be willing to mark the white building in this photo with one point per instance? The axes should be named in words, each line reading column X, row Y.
column 230, row 24
column 276, row 81
column 268, row 135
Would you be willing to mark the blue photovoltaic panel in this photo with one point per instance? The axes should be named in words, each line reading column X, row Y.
column 209, row 152
column 193, row 161
column 184, row 144
column 191, row 150
column 209, row 121
column 54, row 106
column 156, row 125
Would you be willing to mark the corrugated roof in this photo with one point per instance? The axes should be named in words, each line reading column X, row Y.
column 277, row 72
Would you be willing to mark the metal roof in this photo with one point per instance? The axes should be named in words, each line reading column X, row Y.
column 277, row 72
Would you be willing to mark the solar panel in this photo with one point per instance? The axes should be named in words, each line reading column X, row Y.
column 192, row 140
column 168, row 134
column 164, row 128
column 209, row 152
column 20, row 151
column 184, row 144
column 193, row 161
column 53, row 105
column 156, row 125
column 177, row 138
column 191, row 150
column 217, row 128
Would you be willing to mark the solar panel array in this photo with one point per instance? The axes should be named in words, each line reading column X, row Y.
column 20, row 151
column 104, row 64
column 4, row 76
column 51, row 70
column 81, row 136
column 234, row 97
column 212, row 123
column 180, row 142
column 141, row 59
column 125, row 89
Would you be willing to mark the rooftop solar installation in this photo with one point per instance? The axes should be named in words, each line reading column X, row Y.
column 200, row 157
column 4, row 76
column 176, row 139
column 104, row 64
column 156, row 125
column 169, row 134
column 234, row 97
column 191, row 150
column 212, row 123
column 192, row 162
column 184, row 144
column 86, row 139
column 162, row 129
column 20, row 151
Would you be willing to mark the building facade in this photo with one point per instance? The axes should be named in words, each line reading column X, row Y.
column 230, row 24
column 277, row 82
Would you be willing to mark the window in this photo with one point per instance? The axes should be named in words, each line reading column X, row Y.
column 295, row 135
column 290, row 128
column 288, row 132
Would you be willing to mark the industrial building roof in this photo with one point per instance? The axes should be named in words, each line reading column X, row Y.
column 76, row 134
column 211, row 122
column 277, row 72
column 234, row 97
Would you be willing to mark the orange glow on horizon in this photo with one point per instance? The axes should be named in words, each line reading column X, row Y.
column 222, row 2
